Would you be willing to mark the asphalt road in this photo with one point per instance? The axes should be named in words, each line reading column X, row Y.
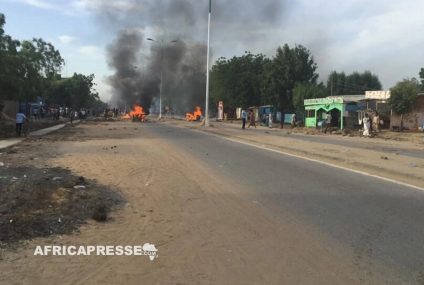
column 378, row 222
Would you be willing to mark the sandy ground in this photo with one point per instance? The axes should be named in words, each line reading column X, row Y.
column 205, row 230
column 373, row 155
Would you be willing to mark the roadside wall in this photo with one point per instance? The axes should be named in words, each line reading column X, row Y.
column 413, row 120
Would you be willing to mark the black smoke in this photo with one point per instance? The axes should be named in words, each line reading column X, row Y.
column 181, row 25
column 137, row 77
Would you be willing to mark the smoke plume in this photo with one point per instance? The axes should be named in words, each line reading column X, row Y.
column 179, row 50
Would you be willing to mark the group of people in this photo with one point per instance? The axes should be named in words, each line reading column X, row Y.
column 22, row 120
column 267, row 120
column 370, row 124
column 250, row 116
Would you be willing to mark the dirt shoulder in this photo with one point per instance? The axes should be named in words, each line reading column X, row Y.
column 206, row 231
column 393, row 159
column 39, row 199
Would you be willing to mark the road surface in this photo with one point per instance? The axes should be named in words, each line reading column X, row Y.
column 377, row 221
column 221, row 212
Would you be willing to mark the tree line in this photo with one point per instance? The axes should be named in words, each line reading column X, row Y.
column 31, row 69
column 284, row 80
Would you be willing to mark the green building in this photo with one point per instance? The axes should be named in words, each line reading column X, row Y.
column 340, row 108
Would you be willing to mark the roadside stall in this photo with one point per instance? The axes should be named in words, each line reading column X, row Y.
column 343, row 110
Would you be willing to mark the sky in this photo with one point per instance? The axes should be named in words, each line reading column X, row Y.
column 385, row 37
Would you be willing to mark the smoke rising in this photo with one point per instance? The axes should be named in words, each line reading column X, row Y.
column 181, row 26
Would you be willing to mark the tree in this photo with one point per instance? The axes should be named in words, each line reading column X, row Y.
column 10, row 81
column 304, row 91
column 40, row 65
column 336, row 83
column 353, row 84
column 237, row 81
column 76, row 92
column 289, row 67
column 403, row 97
column 26, row 68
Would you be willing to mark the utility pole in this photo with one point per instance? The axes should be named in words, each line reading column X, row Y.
column 207, row 67
column 161, row 79
column 161, row 73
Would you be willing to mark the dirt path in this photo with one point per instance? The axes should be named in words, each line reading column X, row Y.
column 205, row 231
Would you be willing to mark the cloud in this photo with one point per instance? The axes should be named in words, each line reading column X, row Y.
column 90, row 50
column 119, row 5
column 65, row 39
column 41, row 4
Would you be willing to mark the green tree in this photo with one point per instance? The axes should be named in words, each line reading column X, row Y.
column 76, row 92
column 236, row 81
column 403, row 97
column 10, row 80
column 336, row 83
column 289, row 67
column 353, row 84
column 304, row 91
column 40, row 65
column 27, row 68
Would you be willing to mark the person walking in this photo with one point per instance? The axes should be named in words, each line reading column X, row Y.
column 366, row 121
column 252, row 122
column 328, row 120
column 376, row 122
column 293, row 121
column 243, row 119
column 20, row 120
column 270, row 120
column 71, row 117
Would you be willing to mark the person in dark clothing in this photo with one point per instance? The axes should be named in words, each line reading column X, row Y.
column 252, row 121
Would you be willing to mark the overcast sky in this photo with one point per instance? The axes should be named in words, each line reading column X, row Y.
column 385, row 37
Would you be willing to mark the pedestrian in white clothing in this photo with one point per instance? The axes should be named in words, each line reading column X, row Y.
column 367, row 123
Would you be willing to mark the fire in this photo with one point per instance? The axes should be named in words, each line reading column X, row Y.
column 137, row 114
column 197, row 114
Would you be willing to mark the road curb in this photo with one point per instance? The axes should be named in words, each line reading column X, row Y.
column 14, row 141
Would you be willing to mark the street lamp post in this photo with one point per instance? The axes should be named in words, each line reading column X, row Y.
column 161, row 73
column 207, row 67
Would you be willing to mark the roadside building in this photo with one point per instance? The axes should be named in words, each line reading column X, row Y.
column 412, row 121
column 343, row 110
column 376, row 102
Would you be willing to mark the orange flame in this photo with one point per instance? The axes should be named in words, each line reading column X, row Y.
column 137, row 112
column 197, row 114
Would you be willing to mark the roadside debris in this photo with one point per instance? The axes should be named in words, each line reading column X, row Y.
column 49, row 201
column 79, row 187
